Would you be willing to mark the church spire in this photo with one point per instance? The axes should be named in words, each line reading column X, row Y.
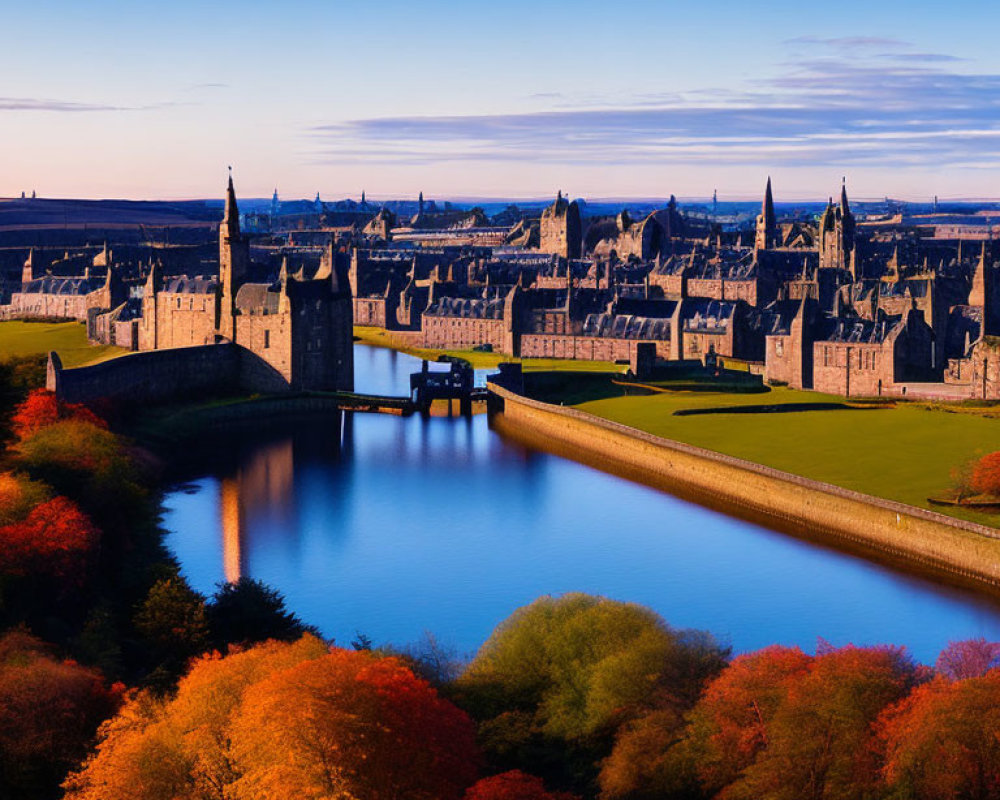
column 231, row 217
column 767, row 207
column 845, row 209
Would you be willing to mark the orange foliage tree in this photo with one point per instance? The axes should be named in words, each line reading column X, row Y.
column 49, row 712
column 986, row 475
column 285, row 720
column 42, row 408
column 943, row 741
column 820, row 742
column 730, row 724
column 513, row 785
column 354, row 725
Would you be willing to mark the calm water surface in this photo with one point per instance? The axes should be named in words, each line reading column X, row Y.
column 394, row 527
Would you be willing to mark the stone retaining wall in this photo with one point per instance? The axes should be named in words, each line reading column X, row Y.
column 935, row 542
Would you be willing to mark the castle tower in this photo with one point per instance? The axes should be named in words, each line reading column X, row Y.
column 836, row 233
column 560, row 230
column 148, row 337
column 234, row 260
column 767, row 224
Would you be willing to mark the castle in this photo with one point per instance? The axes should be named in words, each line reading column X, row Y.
column 301, row 328
column 828, row 302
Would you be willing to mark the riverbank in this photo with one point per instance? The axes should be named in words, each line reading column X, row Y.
column 401, row 342
column 957, row 550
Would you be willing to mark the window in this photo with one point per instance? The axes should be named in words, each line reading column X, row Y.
column 267, row 339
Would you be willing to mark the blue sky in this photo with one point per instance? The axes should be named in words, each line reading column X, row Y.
column 474, row 99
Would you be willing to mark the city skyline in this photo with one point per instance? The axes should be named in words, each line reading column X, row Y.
column 154, row 102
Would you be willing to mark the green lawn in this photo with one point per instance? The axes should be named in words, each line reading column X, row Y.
column 378, row 338
column 69, row 339
column 905, row 453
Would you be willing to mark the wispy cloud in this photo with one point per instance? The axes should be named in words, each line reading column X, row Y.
column 74, row 107
column 901, row 109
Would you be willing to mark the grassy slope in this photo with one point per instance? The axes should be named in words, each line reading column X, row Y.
column 69, row 339
column 905, row 453
column 378, row 338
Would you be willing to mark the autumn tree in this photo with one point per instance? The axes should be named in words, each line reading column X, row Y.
column 986, row 475
column 351, row 724
column 820, row 741
column 513, row 785
column 968, row 658
column 49, row 712
column 729, row 727
column 54, row 538
column 648, row 761
column 943, row 741
column 42, row 408
column 284, row 720
column 558, row 677
column 87, row 463
column 248, row 611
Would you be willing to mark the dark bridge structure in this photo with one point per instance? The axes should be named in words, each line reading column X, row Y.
column 458, row 383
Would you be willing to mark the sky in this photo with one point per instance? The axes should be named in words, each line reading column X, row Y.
column 504, row 99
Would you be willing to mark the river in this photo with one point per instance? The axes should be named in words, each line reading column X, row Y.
column 394, row 527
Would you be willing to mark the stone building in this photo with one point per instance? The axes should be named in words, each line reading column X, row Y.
column 560, row 230
column 301, row 330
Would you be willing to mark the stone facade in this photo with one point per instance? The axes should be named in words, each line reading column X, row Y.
column 560, row 231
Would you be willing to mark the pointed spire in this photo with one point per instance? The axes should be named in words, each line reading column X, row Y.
column 231, row 217
column 767, row 208
column 845, row 208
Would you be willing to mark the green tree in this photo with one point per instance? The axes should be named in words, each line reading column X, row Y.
column 172, row 621
column 248, row 611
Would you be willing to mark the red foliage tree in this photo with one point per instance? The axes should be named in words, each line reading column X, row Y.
column 49, row 712
column 54, row 539
column 821, row 741
column 986, row 474
column 513, row 785
column 943, row 741
column 42, row 408
column 730, row 725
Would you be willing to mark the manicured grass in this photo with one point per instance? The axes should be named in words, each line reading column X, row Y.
column 68, row 339
column 905, row 453
column 379, row 338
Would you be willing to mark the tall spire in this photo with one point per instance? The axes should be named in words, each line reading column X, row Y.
column 231, row 217
column 845, row 209
column 767, row 208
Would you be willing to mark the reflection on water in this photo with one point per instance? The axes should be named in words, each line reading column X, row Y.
column 394, row 526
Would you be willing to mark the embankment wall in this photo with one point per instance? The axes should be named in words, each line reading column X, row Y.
column 962, row 550
column 157, row 376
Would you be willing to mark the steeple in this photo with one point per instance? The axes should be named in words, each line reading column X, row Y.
column 767, row 223
column 234, row 260
column 231, row 216
column 767, row 208
column 845, row 209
